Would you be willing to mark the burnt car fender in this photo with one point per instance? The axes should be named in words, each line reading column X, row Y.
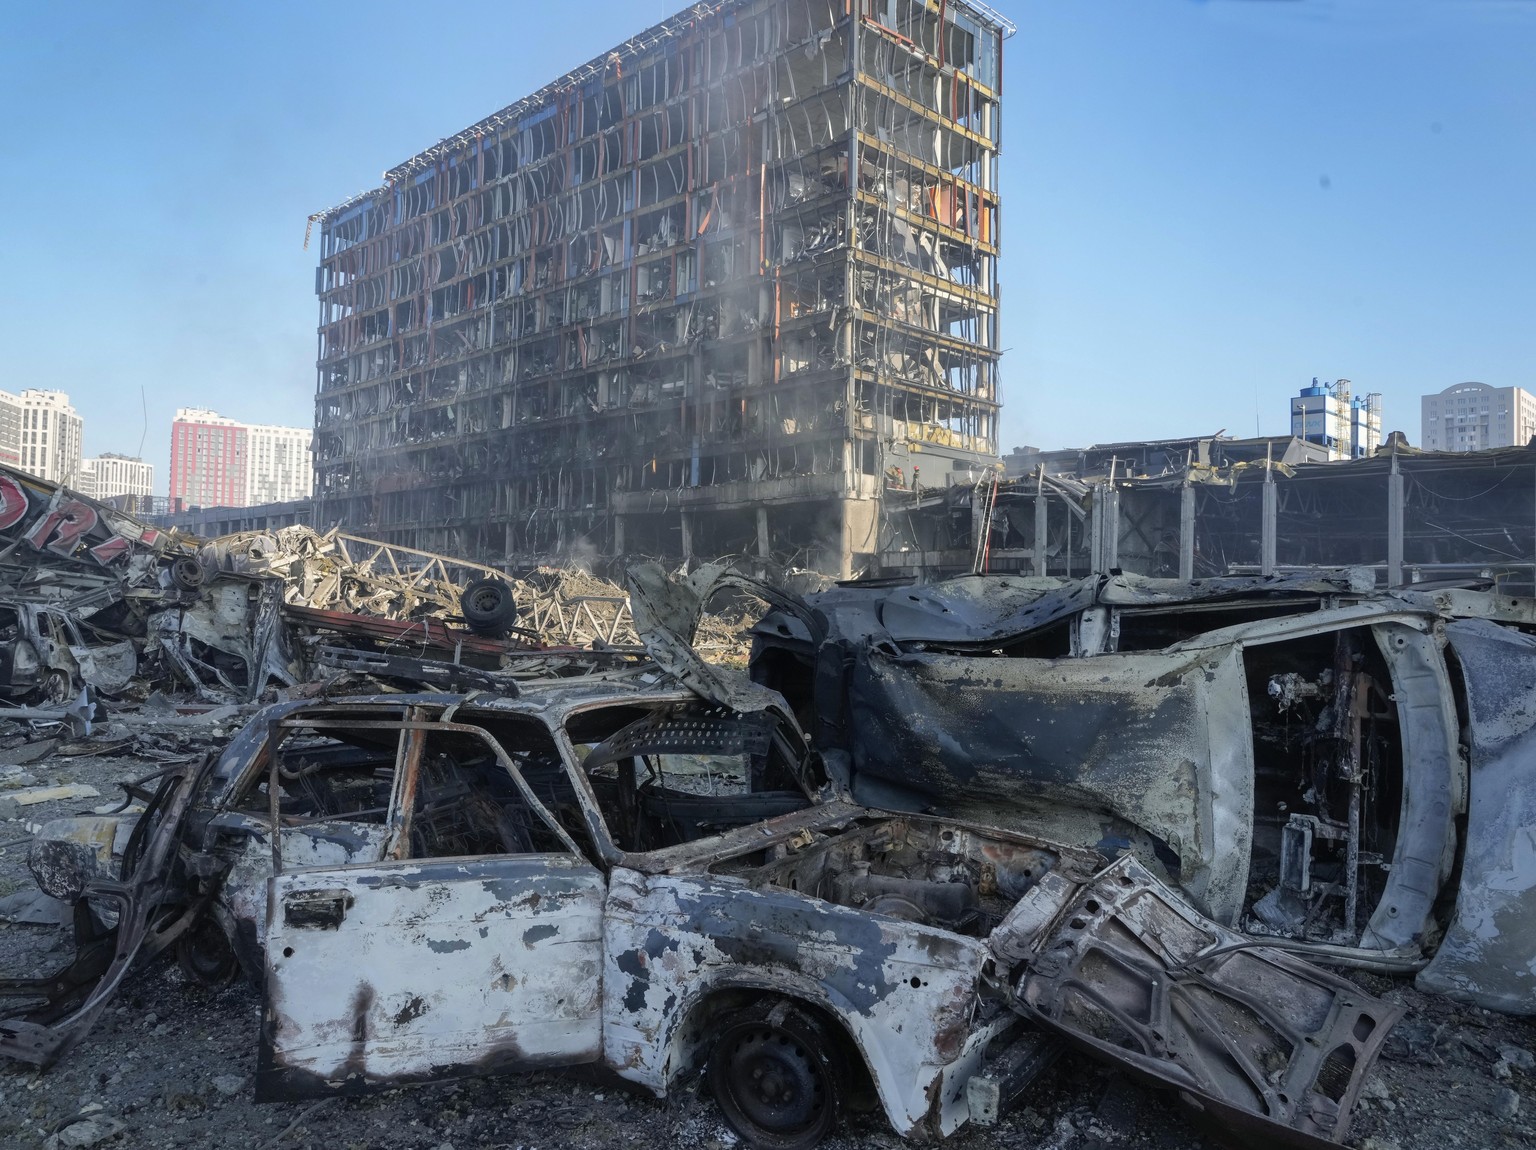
column 903, row 993
column 1488, row 955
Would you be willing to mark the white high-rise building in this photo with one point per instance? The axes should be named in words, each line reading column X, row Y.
column 110, row 475
column 50, row 435
column 279, row 466
column 10, row 429
column 1476, row 416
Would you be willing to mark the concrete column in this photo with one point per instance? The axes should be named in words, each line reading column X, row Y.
column 1267, row 526
column 618, row 535
column 687, row 521
column 1187, row 532
column 1112, row 531
column 763, row 550
column 1395, row 525
column 1042, row 528
column 1095, row 529
column 1104, row 531
column 845, row 556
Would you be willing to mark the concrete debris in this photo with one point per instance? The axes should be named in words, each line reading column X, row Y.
column 1518, row 1057
column 26, row 753
column 1506, row 1103
column 33, row 795
column 87, row 1132
column 33, row 906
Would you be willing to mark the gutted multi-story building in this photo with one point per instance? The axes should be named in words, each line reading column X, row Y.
column 729, row 288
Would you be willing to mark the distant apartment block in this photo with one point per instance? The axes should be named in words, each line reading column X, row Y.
column 208, row 463
column 1348, row 426
column 220, row 462
column 10, row 429
column 1475, row 416
column 279, row 465
column 109, row 476
column 40, row 433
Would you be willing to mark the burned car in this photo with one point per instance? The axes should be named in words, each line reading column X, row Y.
column 619, row 872
column 1345, row 771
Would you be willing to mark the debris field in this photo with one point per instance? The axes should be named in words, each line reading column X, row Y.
column 455, row 824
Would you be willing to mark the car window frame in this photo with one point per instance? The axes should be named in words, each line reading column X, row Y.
column 407, row 773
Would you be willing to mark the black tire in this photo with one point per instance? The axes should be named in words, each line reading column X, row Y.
column 488, row 606
column 774, row 1074
column 187, row 573
column 205, row 955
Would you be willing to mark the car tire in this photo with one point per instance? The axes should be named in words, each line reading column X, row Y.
column 58, row 688
column 205, row 955
column 488, row 606
column 774, row 1075
column 187, row 573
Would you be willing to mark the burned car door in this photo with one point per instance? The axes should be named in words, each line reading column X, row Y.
column 1248, row 1035
column 106, row 666
column 473, row 946
column 1487, row 954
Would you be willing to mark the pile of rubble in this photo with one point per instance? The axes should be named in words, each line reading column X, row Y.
column 94, row 600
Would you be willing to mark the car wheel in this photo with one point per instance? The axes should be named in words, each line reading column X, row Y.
column 58, row 688
column 772, row 1073
column 187, row 573
column 488, row 606
column 206, row 956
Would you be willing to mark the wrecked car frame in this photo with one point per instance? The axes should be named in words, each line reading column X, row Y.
column 1336, row 769
column 619, row 873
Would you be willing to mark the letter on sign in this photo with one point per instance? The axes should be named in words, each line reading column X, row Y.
column 13, row 503
column 66, row 526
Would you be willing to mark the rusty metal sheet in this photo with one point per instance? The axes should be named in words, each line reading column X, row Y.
column 419, row 634
column 414, row 971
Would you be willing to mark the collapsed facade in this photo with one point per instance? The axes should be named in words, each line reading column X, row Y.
column 717, row 291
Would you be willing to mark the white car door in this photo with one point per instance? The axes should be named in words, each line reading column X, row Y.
column 416, row 968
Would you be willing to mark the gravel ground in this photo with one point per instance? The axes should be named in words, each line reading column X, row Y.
column 171, row 1065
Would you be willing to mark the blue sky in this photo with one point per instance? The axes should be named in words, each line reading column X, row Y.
column 1205, row 204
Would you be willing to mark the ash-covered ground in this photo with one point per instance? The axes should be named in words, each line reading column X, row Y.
column 171, row 1065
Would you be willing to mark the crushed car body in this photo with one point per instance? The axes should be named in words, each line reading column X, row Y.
column 617, row 871
column 1347, row 771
